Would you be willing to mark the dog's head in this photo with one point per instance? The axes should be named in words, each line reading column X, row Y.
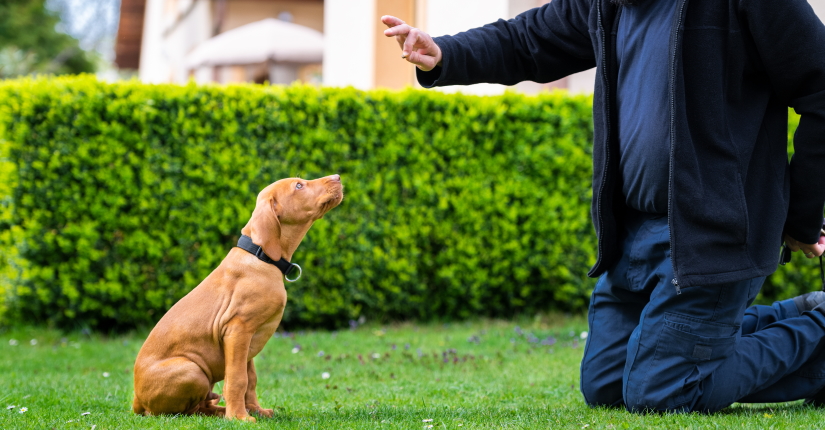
column 286, row 209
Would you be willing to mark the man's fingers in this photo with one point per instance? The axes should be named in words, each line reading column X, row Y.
column 812, row 251
column 809, row 250
column 424, row 62
column 417, row 47
column 417, row 59
column 398, row 30
column 412, row 40
column 391, row 21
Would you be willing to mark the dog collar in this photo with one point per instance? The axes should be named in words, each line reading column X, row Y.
column 245, row 243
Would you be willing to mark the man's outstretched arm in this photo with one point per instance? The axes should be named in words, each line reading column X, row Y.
column 542, row 45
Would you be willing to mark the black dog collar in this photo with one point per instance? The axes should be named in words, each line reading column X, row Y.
column 245, row 243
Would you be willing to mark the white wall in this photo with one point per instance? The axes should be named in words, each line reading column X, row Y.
column 582, row 82
column 819, row 8
column 153, row 67
column 451, row 17
column 349, row 45
column 190, row 32
column 167, row 40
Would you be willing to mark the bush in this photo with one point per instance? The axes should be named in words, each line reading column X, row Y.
column 117, row 199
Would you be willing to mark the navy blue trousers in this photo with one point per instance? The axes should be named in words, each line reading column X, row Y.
column 651, row 348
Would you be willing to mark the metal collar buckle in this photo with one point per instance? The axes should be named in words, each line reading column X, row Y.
column 291, row 267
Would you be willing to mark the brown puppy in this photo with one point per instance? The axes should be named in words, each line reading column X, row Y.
column 215, row 331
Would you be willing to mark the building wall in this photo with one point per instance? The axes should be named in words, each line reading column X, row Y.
column 356, row 52
column 367, row 59
column 451, row 17
column 309, row 13
column 171, row 30
column 349, row 43
column 391, row 71
column 151, row 58
column 819, row 8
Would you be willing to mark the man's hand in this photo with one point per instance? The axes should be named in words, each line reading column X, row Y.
column 417, row 47
column 810, row 251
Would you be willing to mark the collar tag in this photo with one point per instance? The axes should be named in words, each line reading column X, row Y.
column 245, row 243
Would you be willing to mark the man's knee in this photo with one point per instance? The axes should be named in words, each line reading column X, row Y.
column 643, row 402
column 600, row 393
column 668, row 394
column 672, row 388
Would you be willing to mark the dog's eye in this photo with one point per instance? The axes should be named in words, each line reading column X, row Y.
column 298, row 186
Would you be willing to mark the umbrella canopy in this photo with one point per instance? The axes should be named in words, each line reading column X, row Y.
column 266, row 40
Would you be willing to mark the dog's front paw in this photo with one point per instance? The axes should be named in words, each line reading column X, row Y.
column 266, row 413
column 258, row 410
column 238, row 417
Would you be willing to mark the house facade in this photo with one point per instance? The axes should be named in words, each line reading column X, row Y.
column 172, row 29
column 355, row 51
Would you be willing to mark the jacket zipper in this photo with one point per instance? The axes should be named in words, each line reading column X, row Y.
column 675, row 280
column 607, row 135
column 676, row 284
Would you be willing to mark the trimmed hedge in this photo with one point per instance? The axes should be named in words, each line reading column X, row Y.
column 124, row 196
column 117, row 199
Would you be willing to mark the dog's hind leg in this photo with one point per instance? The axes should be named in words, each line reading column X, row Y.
column 137, row 407
column 210, row 406
column 173, row 386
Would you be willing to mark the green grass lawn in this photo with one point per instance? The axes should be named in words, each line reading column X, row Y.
column 483, row 374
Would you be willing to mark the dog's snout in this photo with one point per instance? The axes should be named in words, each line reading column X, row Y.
column 334, row 178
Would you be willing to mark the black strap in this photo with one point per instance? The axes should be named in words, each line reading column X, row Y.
column 785, row 255
column 822, row 272
column 245, row 243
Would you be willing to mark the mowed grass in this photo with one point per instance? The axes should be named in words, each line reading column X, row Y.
column 482, row 374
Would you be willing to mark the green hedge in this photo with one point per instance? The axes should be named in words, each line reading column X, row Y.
column 117, row 199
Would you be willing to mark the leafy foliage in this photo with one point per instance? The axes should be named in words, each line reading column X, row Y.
column 29, row 42
column 118, row 199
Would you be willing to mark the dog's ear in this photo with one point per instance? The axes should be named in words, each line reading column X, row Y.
column 265, row 229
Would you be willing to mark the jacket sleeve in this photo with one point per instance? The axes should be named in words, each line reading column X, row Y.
column 542, row 45
column 790, row 40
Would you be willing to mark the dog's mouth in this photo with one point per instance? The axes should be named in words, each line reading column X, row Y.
column 335, row 195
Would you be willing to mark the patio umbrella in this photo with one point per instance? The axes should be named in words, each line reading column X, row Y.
column 266, row 40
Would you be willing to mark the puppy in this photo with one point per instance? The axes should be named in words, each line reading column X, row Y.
column 215, row 331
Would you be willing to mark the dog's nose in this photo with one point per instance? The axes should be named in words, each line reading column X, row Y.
column 336, row 178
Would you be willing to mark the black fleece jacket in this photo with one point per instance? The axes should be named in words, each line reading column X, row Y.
column 735, row 67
